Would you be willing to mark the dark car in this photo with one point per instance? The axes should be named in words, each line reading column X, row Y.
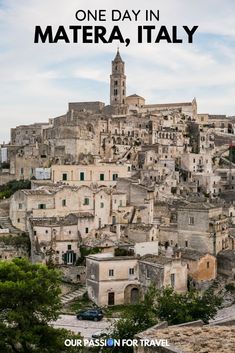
column 91, row 314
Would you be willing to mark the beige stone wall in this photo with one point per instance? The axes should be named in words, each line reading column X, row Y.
column 179, row 269
column 8, row 252
column 18, row 209
column 57, row 238
column 102, row 205
column 203, row 269
column 91, row 173
column 202, row 118
column 120, row 268
column 206, row 273
column 135, row 101
column 100, row 282
column 117, row 287
column 197, row 162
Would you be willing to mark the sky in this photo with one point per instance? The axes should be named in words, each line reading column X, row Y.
column 38, row 80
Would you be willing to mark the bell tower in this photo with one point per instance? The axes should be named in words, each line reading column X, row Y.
column 118, row 82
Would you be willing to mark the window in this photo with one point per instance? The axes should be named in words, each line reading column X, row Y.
column 120, row 203
column 63, row 203
column 148, row 273
column 191, row 221
column 173, row 280
column 86, row 230
column 131, row 271
column 35, row 232
column 115, row 176
column 21, row 171
column 70, row 258
column 69, row 247
column 115, row 83
column 102, row 177
column 186, row 243
column 86, row 201
column 46, row 231
column 18, row 220
column 101, row 205
column 41, row 206
column 64, row 176
column 82, row 176
column 20, row 206
column 111, row 273
column 129, row 168
column 113, row 220
column 208, row 264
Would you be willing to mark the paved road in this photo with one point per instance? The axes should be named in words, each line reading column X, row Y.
column 85, row 327
column 225, row 313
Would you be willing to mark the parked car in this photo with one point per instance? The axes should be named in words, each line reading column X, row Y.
column 90, row 314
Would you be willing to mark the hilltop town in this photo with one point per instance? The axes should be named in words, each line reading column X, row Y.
column 144, row 192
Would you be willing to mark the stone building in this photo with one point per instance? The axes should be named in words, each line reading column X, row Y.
column 162, row 272
column 226, row 263
column 9, row 252
column 118, row 82
column 57, row 239
column 112, row 280
column 140, row 232
column 193, row 162
column 93, row 207
column 202, row 227
column 101, row 173
column 202, row 268
column 123, row 279
column 28, row 134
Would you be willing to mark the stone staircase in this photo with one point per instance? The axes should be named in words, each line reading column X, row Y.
column 78, row 293
column 5, row 223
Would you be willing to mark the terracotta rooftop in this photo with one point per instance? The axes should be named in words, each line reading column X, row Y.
column 191, row 254
column 140, row 226
column 158, row 260
column 71, row 219
column 205, row 339
column 135, row 96
column 200, row 206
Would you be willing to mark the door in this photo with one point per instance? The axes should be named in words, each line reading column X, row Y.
column 111, row 298
column 134, row 295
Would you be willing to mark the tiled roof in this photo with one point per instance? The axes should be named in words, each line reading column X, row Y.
column 205, row 339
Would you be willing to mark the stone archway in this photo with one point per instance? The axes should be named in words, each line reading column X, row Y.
column 132, row 294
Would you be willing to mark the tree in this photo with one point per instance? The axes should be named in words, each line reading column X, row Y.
column 29, row 299
column 163, row 305
column 178, row 308
column 12, row 186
